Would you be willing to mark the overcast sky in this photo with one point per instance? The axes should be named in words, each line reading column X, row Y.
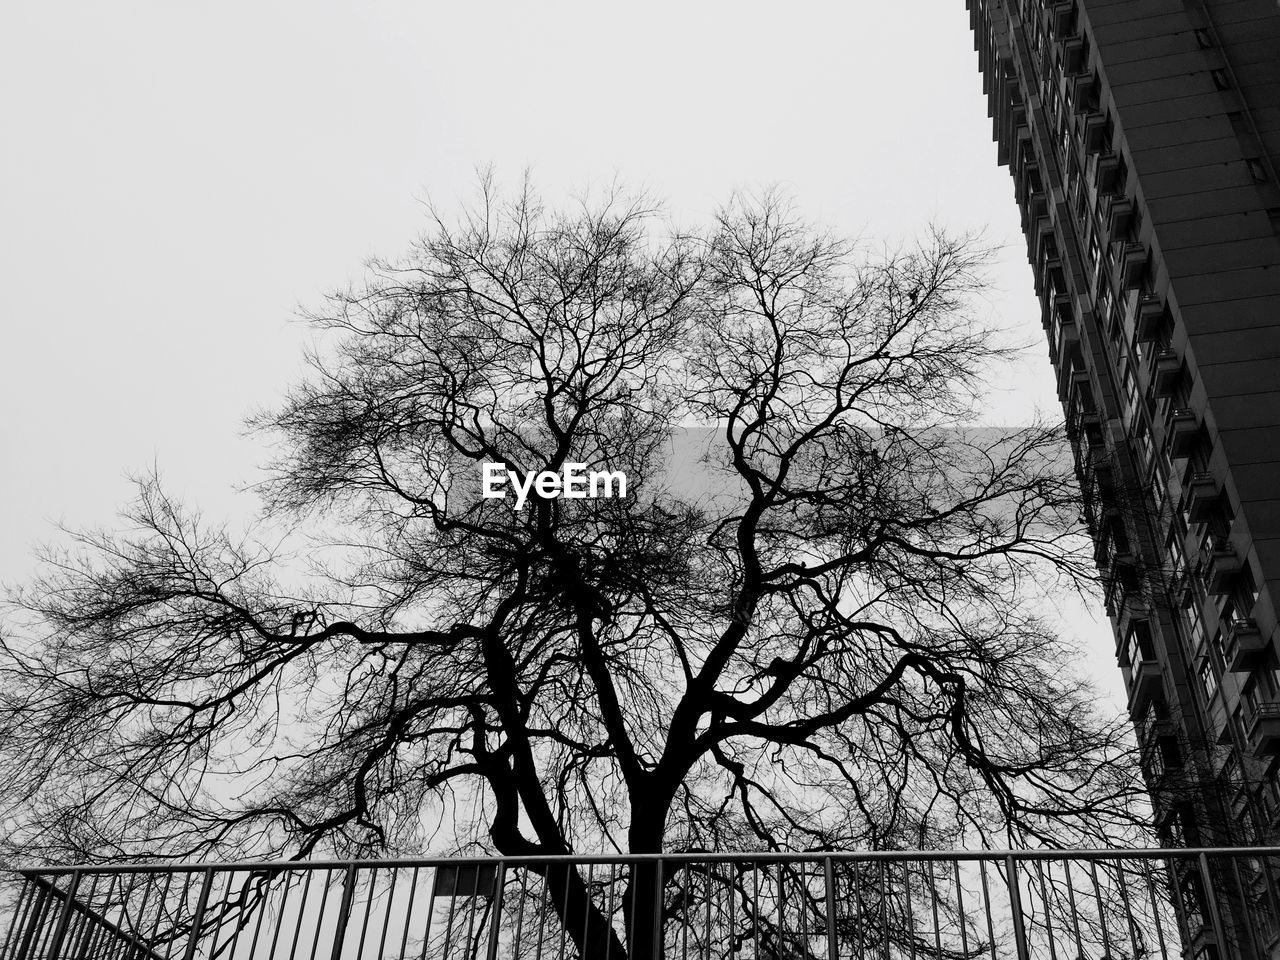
column 176, row 179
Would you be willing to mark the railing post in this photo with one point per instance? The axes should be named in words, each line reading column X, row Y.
column 344, row 909
column 831, row 909
column 492, row 951
column 17, row 921
column 1246, row 914
column 32, row 922
column 1269, row 881
column 884, row 909
column 658, row 882
column 197, row 918
column 64, row 918
column 1211, row 903
column 1015, row 907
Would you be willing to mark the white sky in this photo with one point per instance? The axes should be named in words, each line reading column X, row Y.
column 175, row 178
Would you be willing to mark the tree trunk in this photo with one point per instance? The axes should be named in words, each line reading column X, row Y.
column 643, row 911
column 585, row 923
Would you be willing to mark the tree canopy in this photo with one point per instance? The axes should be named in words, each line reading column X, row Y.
column 838, row 644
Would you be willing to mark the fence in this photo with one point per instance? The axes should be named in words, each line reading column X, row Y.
column 1026, row 905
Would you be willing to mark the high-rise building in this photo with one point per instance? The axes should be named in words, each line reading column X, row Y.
column 1143, row 137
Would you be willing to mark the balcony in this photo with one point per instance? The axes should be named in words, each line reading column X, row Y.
column 1244, row 645
column 1097, row 476
column 1102, row 552
column 1037, row 203
column 1119, row 218
column 1095, row 458
column 1123, row 593
column 1163, row 806
column 1156, row 737
column 1203, row 496
column 1166, row 372
column 1133, row 263
column 1027, row 182
column 1170, row 787
column 1145, row 686
column 1064, row 349
column 1167, row 785
column 1051, row 275
column 1059, row 305
column 1119, row 561
column 1042, row 232
column 1106, row 173
column 1062, row 19
column 1094, row 132
column 1222, row 566
column 1183, row 431
column 1064, row 343
column 1031, row 178
column 1151, row 317
column 1021, row 134
column 1085, row 425
column 1075, row 56
column 1124, row 563
column 1179, row 589
column 1012, row 89
column 1154, row 731
column 1044, row 243
column 1084, row 92
column 1264, row 730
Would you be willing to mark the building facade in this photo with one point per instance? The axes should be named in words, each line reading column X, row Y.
column 1143, row 137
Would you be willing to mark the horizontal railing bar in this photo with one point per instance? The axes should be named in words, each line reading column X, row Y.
column 862, row 856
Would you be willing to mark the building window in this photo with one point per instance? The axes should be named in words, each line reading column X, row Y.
column 1105, row 303
column 1238, row 724
column 1130, row 393
column 1208, row 679
column 1140, row 647
column 1271, row 797
column 1245, row 594
column 1260, row 689
column 1146, row 448
column 1230, row 770
column 1119, row 536
column 1158, row 493
column 1267, row 800
column 1138, row 350
column 1248, row 829
column 1249, row 699
column 1195, row 629
column 1218, row 638
column 1193, row 902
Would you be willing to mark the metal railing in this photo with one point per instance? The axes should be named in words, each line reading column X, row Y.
column 1025, row 905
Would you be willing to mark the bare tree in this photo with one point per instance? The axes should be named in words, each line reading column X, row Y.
column 837, row 646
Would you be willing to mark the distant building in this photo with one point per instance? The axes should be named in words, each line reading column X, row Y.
column 1143, row 138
